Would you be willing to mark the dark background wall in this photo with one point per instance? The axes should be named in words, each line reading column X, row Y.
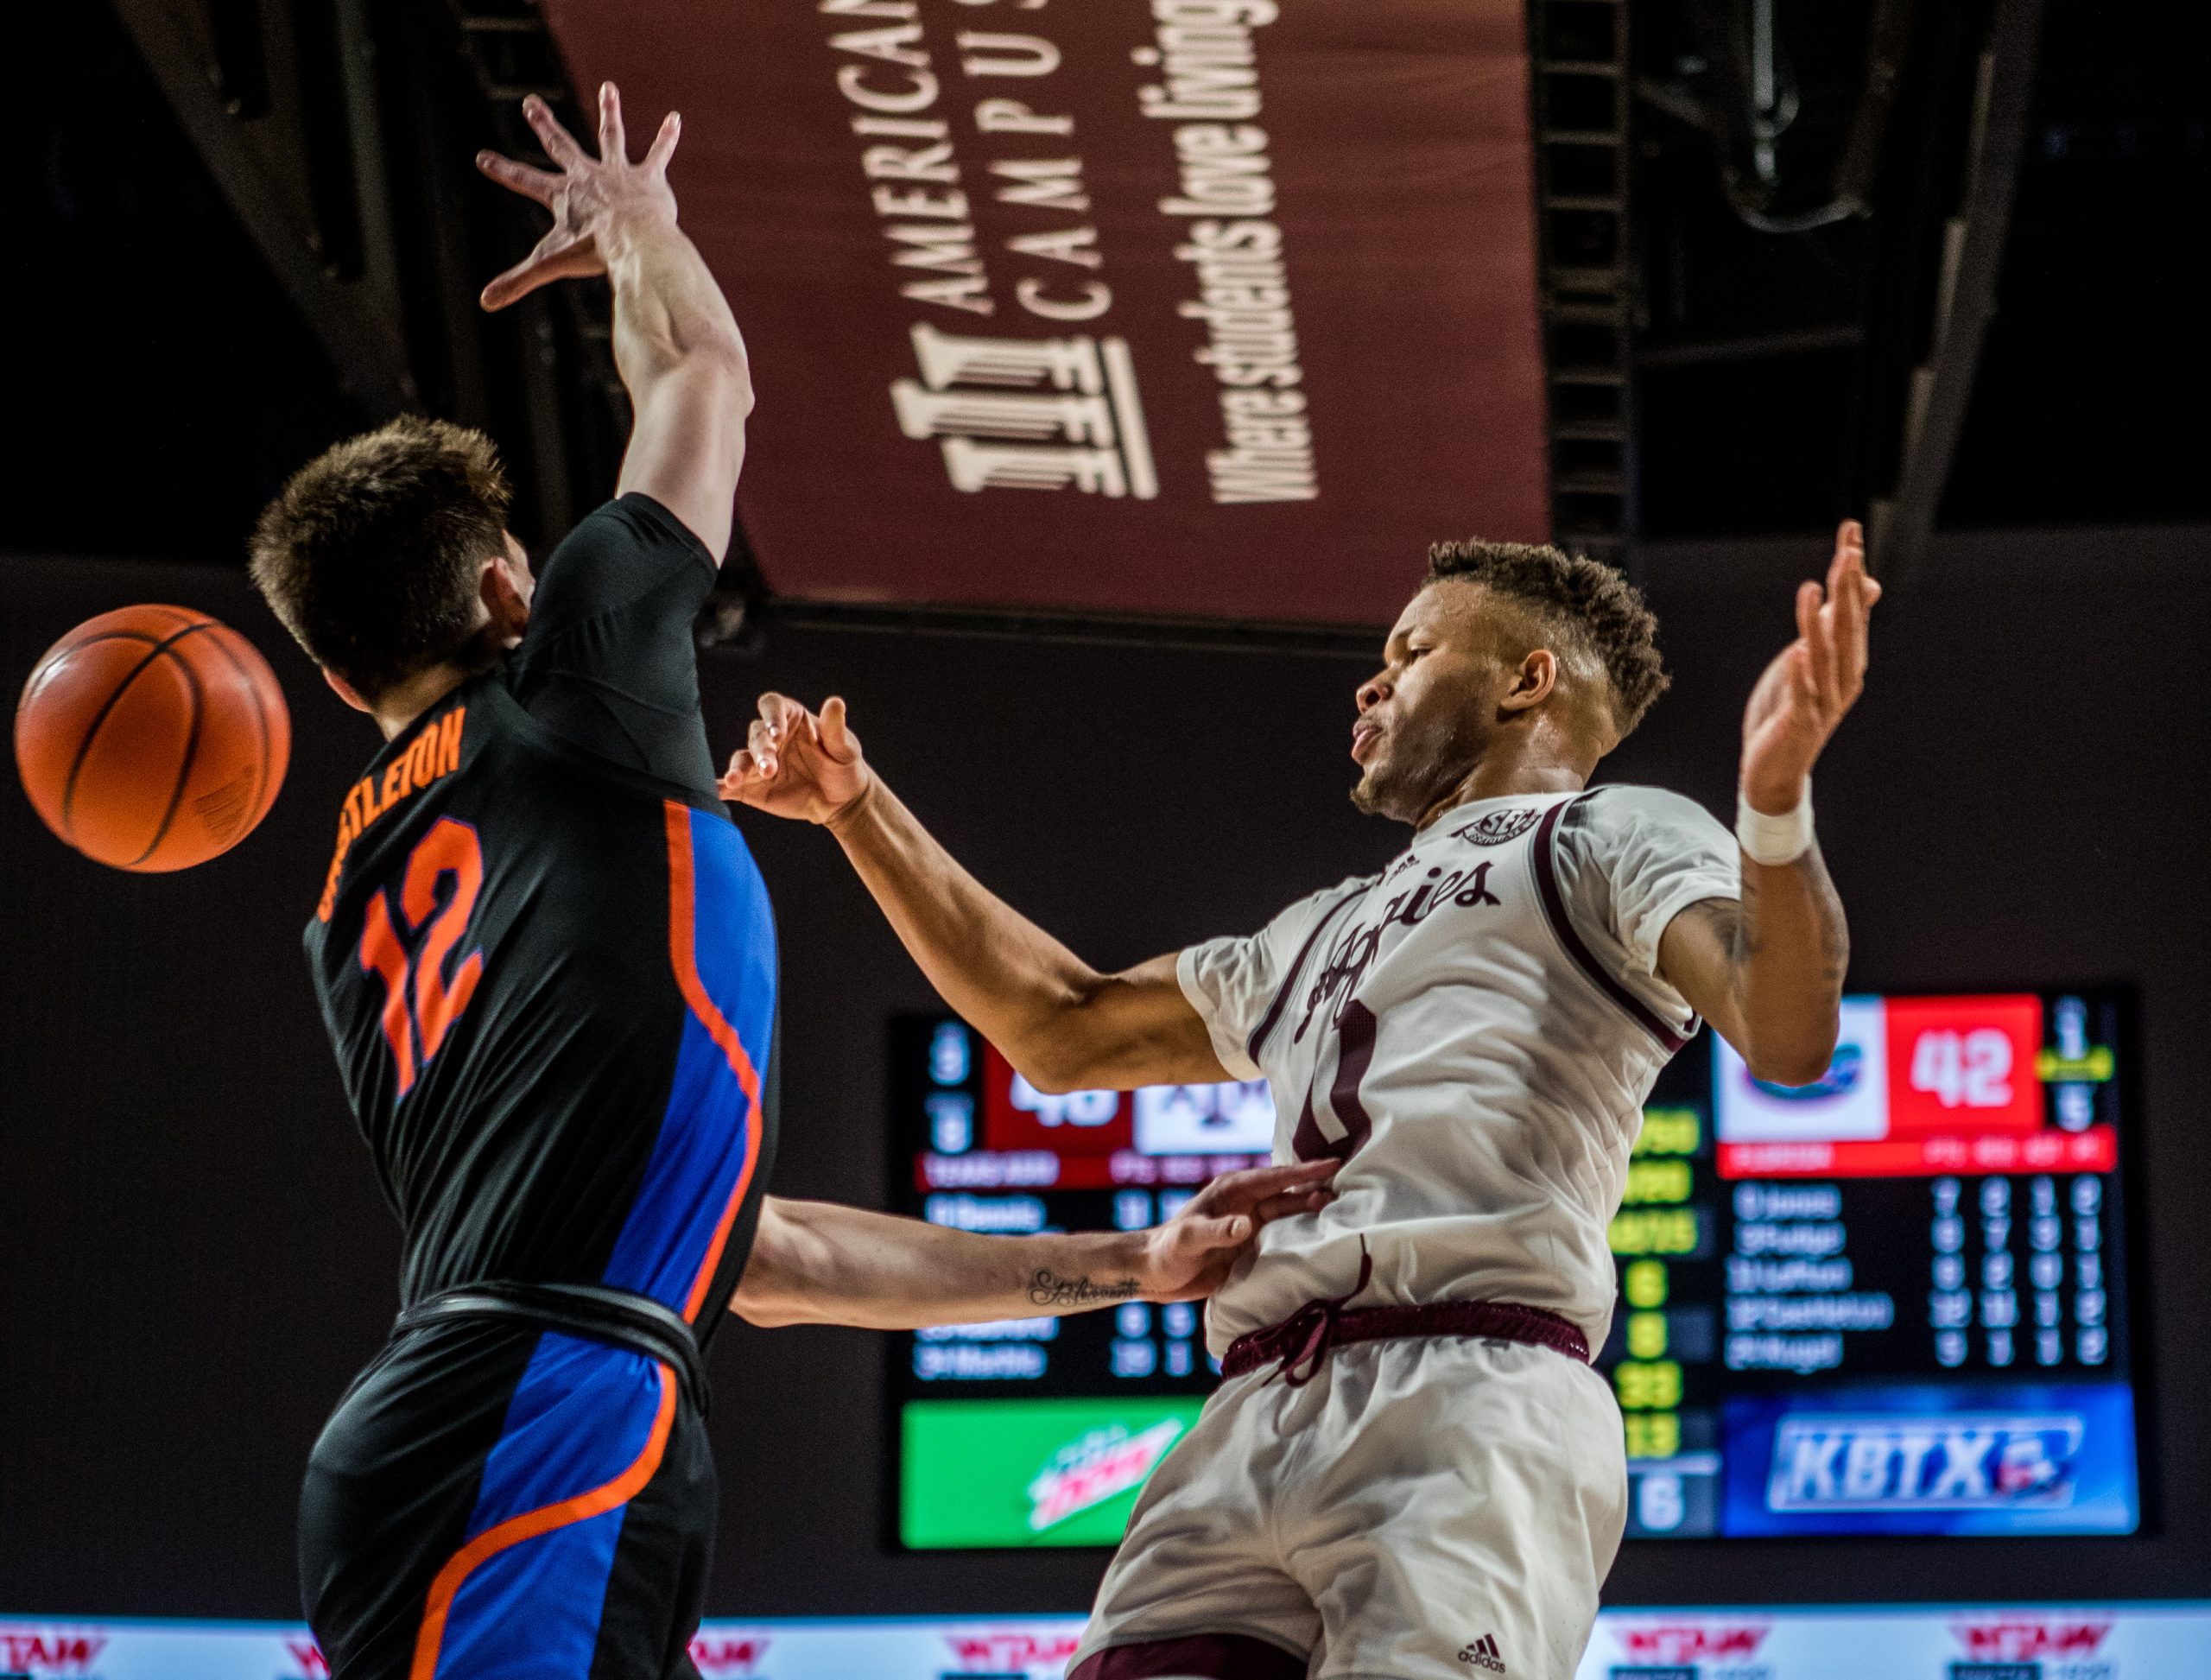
column 193, row 1259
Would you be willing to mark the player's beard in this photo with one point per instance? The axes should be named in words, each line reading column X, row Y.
column 1418, row 764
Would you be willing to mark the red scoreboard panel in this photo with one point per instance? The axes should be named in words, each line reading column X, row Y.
column 1921, row 1085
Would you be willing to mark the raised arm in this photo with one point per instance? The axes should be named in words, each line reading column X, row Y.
column 676, row 344
column 1767, row 971
column 817, row 1263
column 1063, row 1023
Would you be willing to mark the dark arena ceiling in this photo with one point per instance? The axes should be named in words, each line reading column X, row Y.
column 1882, row 255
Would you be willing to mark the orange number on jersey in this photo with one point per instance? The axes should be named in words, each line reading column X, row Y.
column 382, row 954
column 450, row 848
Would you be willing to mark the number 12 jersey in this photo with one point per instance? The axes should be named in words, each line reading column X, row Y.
column 547, row 959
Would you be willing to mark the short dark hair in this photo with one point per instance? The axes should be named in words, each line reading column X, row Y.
column 373, row 554
column 1585, row 602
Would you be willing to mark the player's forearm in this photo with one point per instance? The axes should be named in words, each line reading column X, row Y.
column 1792, row 950
column 669, row 316
column 818, row 1263
column 1017, row 985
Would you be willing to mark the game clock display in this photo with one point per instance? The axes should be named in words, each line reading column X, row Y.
column 1891, row 1301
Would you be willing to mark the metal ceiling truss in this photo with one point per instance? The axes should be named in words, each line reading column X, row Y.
column 1940, row 388
column 1577, row 51
column 343, row 133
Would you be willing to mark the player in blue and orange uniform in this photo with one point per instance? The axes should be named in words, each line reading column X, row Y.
column 547, row 964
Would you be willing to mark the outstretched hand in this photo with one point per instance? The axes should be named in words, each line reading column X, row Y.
column 587, row 195
column 1191, row 1255
column 796, row 764
column 1806, row 691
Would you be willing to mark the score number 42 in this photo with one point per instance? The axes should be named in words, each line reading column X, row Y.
column 1964, row 1069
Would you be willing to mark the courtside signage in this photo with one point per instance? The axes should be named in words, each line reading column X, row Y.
column 1926, row 1642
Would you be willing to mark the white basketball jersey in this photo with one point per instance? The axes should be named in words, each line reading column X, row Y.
column 1472, row 1033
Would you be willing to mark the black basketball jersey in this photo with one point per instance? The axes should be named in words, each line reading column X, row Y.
column 547, row 959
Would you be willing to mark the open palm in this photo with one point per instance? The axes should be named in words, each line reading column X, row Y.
column 584, row 194
column 1814, row 681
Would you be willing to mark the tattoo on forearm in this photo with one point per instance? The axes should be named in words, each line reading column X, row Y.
column 1738, row 924
column 1048, row 1288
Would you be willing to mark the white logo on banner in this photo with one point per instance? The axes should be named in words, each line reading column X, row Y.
column 1030, row 414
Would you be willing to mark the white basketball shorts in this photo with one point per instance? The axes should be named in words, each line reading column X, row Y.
column 1428, row 1508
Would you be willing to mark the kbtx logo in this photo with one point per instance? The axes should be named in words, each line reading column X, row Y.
column 1964, row 1462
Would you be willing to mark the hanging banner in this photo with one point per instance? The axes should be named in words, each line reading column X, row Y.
column 1179, row 307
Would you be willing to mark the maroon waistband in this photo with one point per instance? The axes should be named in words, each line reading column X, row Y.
column 1298, row 1345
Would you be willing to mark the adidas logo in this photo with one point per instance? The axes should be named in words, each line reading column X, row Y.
column 1483, row 1654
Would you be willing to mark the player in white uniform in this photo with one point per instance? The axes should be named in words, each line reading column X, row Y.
column 1410, row 1471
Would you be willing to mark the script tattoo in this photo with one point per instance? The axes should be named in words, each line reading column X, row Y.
column 1048, row 1288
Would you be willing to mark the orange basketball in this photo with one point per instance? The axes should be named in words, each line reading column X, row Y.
column 152, row 738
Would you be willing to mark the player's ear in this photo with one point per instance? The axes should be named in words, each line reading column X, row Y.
column 1533, row 683
column 506, row 589
column 344, row 690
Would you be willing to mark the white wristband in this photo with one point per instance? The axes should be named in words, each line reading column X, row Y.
column 1774, row 840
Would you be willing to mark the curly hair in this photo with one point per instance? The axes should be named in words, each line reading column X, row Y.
column 1588, row 605
column 372, row 555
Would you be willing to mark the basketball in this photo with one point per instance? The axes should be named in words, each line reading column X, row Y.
column 152, row 738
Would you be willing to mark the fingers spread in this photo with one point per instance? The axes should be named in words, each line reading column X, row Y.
column 663, row 146
column 559, row 144
column 613, row 144
column 517, row 281
column 538, row 184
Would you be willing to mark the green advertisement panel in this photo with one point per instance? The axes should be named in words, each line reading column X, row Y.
column 1030, row 1472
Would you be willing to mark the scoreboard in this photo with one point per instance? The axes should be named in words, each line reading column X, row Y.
column 1891, row 1301
column 1039, row 1431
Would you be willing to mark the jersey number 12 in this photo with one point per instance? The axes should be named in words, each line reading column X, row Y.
column 420, row 1001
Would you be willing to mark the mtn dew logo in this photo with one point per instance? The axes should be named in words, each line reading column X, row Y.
column 1063, row 1472
column 1089, row 1471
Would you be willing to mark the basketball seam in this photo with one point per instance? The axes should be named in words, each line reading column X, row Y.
column 259, row 724
column 56, row 656
column 191, row 749
column 99, row 721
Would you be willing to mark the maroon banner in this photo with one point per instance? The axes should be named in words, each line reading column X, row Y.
column 1180, row 306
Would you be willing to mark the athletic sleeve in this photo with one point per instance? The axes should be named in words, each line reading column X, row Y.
column 1631, row 859
column 1238, row 984
column 608, row 662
